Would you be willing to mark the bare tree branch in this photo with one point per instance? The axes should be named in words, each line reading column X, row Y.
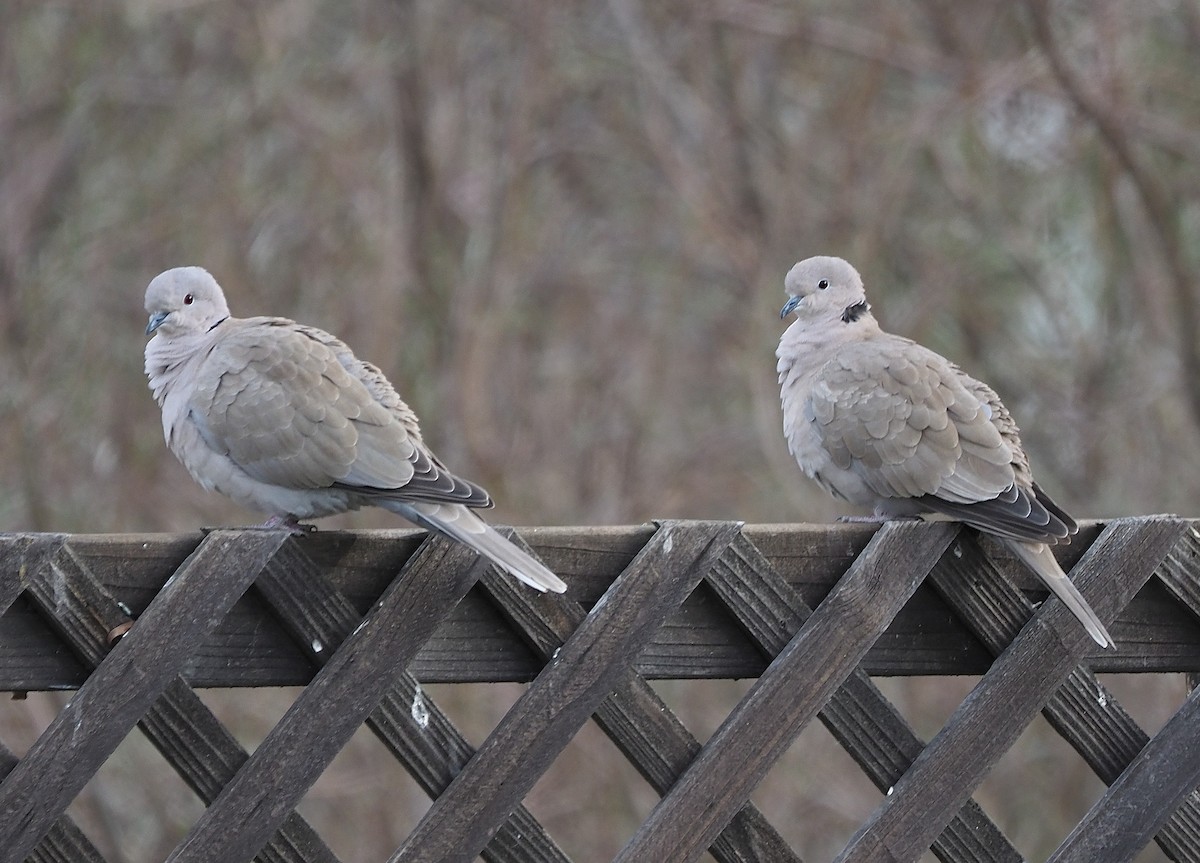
column 1159, row 207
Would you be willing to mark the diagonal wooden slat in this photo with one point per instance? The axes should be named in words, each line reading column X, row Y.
column 127, row 682
column 191, row 739
column 1081, row 710
column 1021, row 680
column 825, row 651
column 65, row 842
column 331, row 708
column 20, row 555
column 639, row 722
column 858, row 715
column 17, row 553
column 1123, row 821
column 1179, row 572
column 566, row 693
column 407, row 721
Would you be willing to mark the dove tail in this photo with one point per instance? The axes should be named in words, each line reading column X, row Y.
column 1038, row 557
column 460, row 523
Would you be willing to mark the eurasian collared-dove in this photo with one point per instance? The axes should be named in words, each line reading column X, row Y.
column 877, row 420
column 284, row 419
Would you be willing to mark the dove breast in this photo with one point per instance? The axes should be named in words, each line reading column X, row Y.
column 887, row 420
column 268, row 414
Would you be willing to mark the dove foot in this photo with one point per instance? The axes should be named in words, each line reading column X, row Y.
column 875, row 519
column 286, row 522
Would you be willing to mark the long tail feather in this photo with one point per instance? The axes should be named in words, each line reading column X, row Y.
column 460, row 523
column 1039, row 558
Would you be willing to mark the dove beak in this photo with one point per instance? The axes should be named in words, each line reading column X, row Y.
column 789, row 306
column 156, row 321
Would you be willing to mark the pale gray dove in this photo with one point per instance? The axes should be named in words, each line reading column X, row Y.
column 878, row 420
column 284, row 419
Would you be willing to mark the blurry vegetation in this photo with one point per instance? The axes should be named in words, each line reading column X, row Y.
column 561, row 228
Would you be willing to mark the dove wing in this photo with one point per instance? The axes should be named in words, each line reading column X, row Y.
column 292, row 407
column 913, row 426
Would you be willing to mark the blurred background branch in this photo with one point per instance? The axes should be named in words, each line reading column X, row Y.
column 561, row 228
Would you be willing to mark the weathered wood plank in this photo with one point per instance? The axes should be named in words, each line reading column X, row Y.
column 565, row 694
column 65, row 842
column 1123, row 821
column 1180, row 575
column 192, row 740
column 407, row 721
column 331, row 708
column 207, row 756
column 17, row 553
column 126, row 683
column 1178, row 572
column 1081, row 710
column 858, row 715
column 701, row 640
column 825, row 651
column 1022, row 679
column 640, row 723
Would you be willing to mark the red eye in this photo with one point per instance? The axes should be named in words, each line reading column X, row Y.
column 187, row 300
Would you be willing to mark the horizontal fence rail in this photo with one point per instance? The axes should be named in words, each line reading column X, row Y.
column 362, row 619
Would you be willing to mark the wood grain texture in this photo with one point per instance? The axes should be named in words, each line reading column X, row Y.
column 297, row 750
column 1164, row 774
column 1022, row 679
column 766, row 721
column 127, row 682
column 581, row 675
column 701, row 640
column 1082, row 710
column 638, row 722
column 64, row 842
column 187, row 734
column 861, row 719
column 407, row 720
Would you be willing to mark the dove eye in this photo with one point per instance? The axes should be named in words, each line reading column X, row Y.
column 188, row 299
column 823, row 284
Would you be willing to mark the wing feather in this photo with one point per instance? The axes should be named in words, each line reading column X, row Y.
column 293, row 407
column 913, row 426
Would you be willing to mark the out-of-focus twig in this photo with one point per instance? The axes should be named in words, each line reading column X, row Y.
column 1156, row 201
column 834, row 34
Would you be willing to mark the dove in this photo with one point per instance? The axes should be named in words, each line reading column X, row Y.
column 284, row 419
column 877, row 420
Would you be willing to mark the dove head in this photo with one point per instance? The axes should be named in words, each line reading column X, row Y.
column 825, row 289
column 184, row 301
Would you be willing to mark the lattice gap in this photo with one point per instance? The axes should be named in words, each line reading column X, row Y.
column 1151, row 699
column 592, row 798
column 926, row 702
column 136, row 807
column 1057, row 786
column 474, row 708
column 23, row 720
column 701, row 705
column 365, row 803
column 815, row 795
column 249, row 714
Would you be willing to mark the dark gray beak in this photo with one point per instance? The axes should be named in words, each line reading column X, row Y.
column 789, row 306
column 156, row 320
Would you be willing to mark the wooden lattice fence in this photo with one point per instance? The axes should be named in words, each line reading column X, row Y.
column 811, row 612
